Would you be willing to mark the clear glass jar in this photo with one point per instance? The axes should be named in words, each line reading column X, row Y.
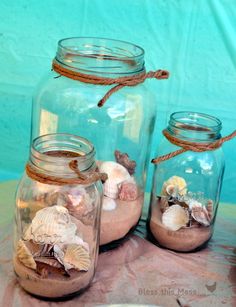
column 57, row 220
column 186, row 188
column 120, row 130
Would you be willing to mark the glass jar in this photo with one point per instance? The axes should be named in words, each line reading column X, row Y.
column 186, row 188
column 57, row 217
column 120, row 130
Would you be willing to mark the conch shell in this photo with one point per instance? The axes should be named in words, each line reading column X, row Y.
column 25, row 256
column 175, row 217
column 174, row 185
column 77, row 257
column 116, row 175
column 51, row 225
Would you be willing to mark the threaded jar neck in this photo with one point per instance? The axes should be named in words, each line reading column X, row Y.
column 100, row 56
column 52, row 153
column 194, row 126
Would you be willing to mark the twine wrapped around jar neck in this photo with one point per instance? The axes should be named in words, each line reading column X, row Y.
column 118, row 82
column 192, row 146
column 88, row 178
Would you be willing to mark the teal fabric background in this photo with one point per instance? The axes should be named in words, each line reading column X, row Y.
column 193, row 39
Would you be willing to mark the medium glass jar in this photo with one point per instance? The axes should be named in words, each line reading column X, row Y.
column 58, row 210
column 120, row 130
column 186, row 188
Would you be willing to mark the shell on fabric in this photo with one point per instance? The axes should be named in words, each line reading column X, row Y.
column 128, row 190
column 116, row 174
column 77, row 257
column 174, row 184
column 51, row 225
column 175, row 217
column 25, row 256
column 200, row 215
column 108, row 204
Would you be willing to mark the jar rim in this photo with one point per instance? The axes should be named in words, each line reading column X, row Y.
column 80, row 38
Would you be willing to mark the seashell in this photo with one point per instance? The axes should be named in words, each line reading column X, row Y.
column 200, row 215
column 51, row 225
column 25, row 256
column 123, row 159
column 210, row 208
column 77, row 257
column 193, row 203
column 164, row 205
column 56, row 198
column 49, row 261
column 175, row 217
column 21, row 204
column 108, row 204
column 116, row 174
column 179, row 186
column 128, row 190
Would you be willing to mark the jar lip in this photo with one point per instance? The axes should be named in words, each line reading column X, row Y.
column 80, row 38
column 213, row 123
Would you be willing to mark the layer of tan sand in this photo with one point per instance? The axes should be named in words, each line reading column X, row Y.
column 55, row 285
column 183, row 240
column 117, row 223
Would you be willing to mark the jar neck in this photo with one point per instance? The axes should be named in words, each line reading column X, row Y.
column 194, row 127
column 100, row 56
column 52, row 154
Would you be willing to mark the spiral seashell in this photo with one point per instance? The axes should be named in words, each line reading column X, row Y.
column 108, row 204
column 116, row 174
column 200, row 215
column 175, row 217
column 25, row 256
column 77, row 257
column 174, row 184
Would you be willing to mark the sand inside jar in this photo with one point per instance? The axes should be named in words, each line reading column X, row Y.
column 115, row 224
column 184, row 239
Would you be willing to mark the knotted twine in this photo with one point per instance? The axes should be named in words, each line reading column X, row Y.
column 88, row 178
column 118, row 82
column 192, row 146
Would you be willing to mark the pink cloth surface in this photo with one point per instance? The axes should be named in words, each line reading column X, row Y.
column 139, row 272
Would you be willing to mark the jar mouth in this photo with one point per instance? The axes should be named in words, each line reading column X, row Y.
column 54, row 152
column 100, row 55
column 195, row 125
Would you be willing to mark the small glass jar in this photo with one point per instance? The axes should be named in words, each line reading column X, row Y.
column 57, row 217
column 120, row 130
column 186, row 188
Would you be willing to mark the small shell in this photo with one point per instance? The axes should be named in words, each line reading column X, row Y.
column 25, row 256
column 108, row 204
column 210, row 208
column 164, row 205
column 193, row 203
column 116, row 174
column 50, row 261
column 128, row 191
column 175, row 217
column 176, row 184
column 123, row 159
column 77, row 257
column 51, row 225
column 200, row 215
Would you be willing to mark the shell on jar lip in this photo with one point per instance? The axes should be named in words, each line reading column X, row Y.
column 176, row 184
column 25, row 256
column 175, row 217
column 108, row 204
column 116, row 174
column 200, row 215
column 77, row 257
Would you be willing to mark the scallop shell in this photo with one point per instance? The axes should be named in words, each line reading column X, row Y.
column 51, row 225
column 77, row 257
column 128, row 190
column 108, row 204
column 116, row 174
column 200, row 215
column 175, row 217
column 179, row 186
column 25, row 256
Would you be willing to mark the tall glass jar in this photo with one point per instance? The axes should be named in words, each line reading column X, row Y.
column 57, row 217
column 120, row 130
column 186, row 188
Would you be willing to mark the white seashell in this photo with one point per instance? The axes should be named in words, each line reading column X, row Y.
column 51, row 225
column 25, row 256
column 193, row 203
column 180, row 186
column 108, row 204
column 200, row 214
column 116, row 174
column 77, row 257
column 175, row 217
